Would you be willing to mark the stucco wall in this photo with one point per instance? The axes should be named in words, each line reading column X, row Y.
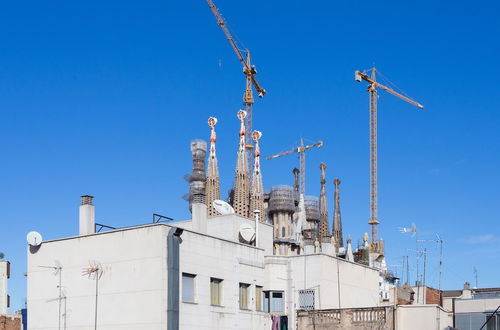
column 418, row 317
column 132, row 289
column 358, row 284
column 232, row 262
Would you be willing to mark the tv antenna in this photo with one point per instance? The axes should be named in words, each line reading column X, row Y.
column 94, row 272
column 474, row 270
column 57, row 271
column 440, row 242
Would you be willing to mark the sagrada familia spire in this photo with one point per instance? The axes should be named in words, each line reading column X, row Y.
column 337, row 221
column 324, row 228
column 257, row 195
column 242, row 189
column 212, row 186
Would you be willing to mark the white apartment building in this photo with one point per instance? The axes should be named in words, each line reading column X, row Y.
column 193, row 274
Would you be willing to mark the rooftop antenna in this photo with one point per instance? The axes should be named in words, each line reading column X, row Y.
column 418, row 255
column 475, row 276
column 440, row 242
column 57, row 271
column 2, row 255
column 413, row 230
column 94, row 272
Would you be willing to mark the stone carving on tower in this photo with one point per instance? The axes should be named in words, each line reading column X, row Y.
column 296, row 172
column 257, row 195
column 324, row 228
column 337, row 221
column 242, row 187
column 212, row 186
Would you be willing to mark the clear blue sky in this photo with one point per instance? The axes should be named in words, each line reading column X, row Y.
column 103, row 98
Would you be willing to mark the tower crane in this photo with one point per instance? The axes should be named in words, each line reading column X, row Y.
column 249, row 71
column 372, row 90
column 302, row 154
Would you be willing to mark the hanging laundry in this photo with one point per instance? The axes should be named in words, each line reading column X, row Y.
column 284, row 323
column 276, row 322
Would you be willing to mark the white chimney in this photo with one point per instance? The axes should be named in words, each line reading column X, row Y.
column 87, row 216
column 199, row 213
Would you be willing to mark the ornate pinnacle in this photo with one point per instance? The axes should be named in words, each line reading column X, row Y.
column 241, row 116
column 213, row 136
column 256, row 135
column 322, row 167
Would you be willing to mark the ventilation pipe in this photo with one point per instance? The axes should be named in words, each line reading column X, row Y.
column 87, row 215
column 257, row 219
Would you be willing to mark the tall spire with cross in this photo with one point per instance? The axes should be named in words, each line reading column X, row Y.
column 257, row 195
column 241, row 199
column 324, row 228
column 337, row 221
column 212, row 187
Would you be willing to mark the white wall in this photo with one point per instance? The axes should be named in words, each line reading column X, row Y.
column 3, row 287
column 476, row 305
column 228, row 227
column 358, row 284
column 132, row 289
column 419, row 317
column 232, row 262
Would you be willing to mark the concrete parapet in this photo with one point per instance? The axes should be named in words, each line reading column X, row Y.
column 349, row 319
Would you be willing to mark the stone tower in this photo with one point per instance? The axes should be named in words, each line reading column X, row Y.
column 324, row 228
column 241, row 185
column 212, row 187
column 337, row 221
column 257, row 195
column 197, row 178
column 296, row 172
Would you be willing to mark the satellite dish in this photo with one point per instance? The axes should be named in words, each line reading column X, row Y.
column 247, row 232
column 34, row 238
column 222, row 207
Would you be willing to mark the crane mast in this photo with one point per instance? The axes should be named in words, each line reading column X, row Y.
column 249, row 70
column 301, row 150
column 372, row 90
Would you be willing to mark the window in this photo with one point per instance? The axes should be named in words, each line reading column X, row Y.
column 277, row 303
column 306, row 300
column 188, row 287
column 215, row 291
column 273, row 301
column 258, row 298
column 244, row 295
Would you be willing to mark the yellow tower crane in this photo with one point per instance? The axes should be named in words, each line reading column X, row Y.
column 372, row 90
column 249, row 70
